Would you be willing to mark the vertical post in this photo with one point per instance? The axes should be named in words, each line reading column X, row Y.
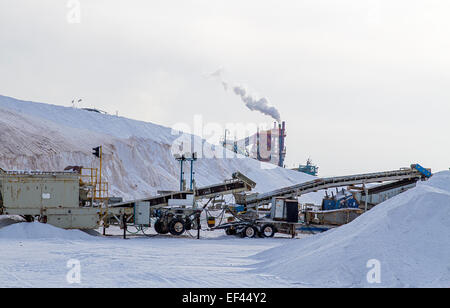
column 282, row 129
column 258, row 156
column 181, row 175
column 192, row 173
column 124, row 226
column 93, row 188
column 224, row 144
column 100, row 180
column 198, row 225
column 366, row 196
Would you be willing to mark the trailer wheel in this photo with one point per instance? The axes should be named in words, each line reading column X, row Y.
column 28, row 218
column 160, row 228
column 177, row 226
column 268, row 230
column 250, row 231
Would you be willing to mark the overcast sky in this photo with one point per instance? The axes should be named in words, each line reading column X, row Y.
column 362, row 85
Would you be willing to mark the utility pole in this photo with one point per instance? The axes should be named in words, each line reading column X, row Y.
column 98, row 153
column 181, row 159
column 192, row 159
column 366, row 196
column 100, row 180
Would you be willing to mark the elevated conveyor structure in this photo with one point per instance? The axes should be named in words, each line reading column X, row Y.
column 239, row 183
column 415, row 172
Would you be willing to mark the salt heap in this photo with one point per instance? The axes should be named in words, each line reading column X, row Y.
column 409, row 235
column 39, row 231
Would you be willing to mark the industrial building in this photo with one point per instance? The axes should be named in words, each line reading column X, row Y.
column 266, row 145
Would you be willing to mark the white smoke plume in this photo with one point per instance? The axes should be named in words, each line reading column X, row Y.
column 261, row 105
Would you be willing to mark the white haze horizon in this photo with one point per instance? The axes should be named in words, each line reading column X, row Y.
column 361, row 84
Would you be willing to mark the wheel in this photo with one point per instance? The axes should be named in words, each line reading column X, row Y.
column 29, row 218
column 160, row 227
column 267, row 230
column 177, row 226
column 250, row 231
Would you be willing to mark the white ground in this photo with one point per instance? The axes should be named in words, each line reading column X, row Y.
column 408, row 235
column 34, row 259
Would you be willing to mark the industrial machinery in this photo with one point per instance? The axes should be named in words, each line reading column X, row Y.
column 309, row 168
column 176, row 212
column 347, row 205
column 58, row 198
column 266, row 146
column 253, row 200
column 337, row 210
column 72, row 200
column 283, row 218
column 284, row 209
column 380, row 193
column 341, row 200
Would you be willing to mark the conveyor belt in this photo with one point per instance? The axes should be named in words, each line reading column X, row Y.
column 325, row 183
column 238, row 184
column 385, row 187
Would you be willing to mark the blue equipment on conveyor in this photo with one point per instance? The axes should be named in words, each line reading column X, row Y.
column 342, row 200
column 424, row 171
column 309, row 168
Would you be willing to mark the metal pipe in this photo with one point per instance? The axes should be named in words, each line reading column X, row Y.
column 181, row 175
column 365, row 193
column 124, row 226
column 192, row 174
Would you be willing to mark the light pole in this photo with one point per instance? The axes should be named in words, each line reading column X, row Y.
column 191, row 157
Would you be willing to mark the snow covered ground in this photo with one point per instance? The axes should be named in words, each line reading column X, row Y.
column 36, row 255
column 408, row 235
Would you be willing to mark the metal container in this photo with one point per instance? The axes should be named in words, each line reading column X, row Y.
column 21, row 190
column 211, row 222
column 53, row 196
column 291, row 210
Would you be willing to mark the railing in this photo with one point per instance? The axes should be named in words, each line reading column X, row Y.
column 99, row 190
column 34, row 172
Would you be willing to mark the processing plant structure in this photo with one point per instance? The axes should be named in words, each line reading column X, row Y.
column 265, row 145
column 77, row 198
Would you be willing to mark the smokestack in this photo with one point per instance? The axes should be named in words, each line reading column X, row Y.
column 282, row 131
